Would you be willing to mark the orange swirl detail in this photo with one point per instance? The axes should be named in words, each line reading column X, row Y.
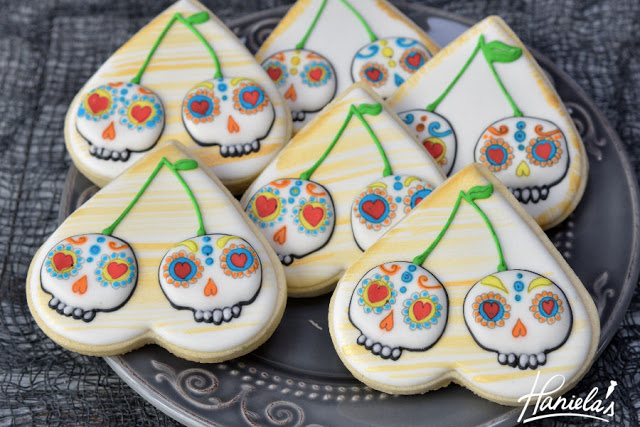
column 310, row 187
column 283, row 183
column 539, row 131
column 390, row 271
column 114, row 246
column 502, row 130
column 79, row 241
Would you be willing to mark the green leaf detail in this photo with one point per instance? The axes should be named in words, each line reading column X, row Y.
column 480, row 192
column 198, row 18
column 185, row 165
column 370, row 109
column 497, row 51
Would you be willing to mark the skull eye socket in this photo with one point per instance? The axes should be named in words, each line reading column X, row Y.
column 376, row 294
column 99, row 103
column 316, row 74
column 249, row 98
column 142, row 112
column 64, row 260
column 546, row 307
column 277, row 71
column 491, row 310
column 375, row 208
column 181, row 269
column 412, row 60
column 201, row 105
column 312, row 216
column 544, row 151
column 421, row 310
column 416, row 195
column 239, row 261
column 374, row 74
column 117, row 269
column 496, row 154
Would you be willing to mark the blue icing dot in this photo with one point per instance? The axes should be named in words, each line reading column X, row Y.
column 518, row 286
column 398, row 178
column 207, row 250
column 518, row 297
column 101, row 239
column 407, row 277
column 89, row 259
column 206, row 239
column 519, row 275
column 224, row 97
column 403, row 289
column 520, row 125
column 222, row 87
column 520, row 147
column 412, row 268
column 398, row 199
column 209, row 261
column 397, row 186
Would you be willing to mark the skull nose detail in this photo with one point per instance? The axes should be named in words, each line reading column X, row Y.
column 232, row 126
column 291, row 94
column 281, row 235
column 211, row 289
column 519, row 330
column 523, row 169
column 109, row 132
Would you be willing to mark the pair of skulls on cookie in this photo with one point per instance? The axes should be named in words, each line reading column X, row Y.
column 518, row 314
column 308, row 80
column 119, row 118
column 213, row 275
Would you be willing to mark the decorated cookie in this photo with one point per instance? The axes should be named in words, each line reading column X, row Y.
column 485, row 99
column 310, row 62
column 114, row 277
column 341, row 183
column 466, row 289
column 192, row 79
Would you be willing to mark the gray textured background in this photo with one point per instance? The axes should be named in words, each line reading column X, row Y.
column 48, row 49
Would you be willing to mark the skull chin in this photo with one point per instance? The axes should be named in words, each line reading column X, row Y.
column 532, row 194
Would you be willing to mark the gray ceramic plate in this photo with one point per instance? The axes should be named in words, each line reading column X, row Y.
column 296, row 378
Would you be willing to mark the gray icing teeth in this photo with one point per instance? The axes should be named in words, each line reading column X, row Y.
column 530, row 194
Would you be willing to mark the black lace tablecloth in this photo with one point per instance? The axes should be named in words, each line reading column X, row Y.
column 48, row 49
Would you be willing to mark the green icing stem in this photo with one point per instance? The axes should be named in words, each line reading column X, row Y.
column 198, row 18
column 370, row 109
column 474, row 193
column 366, row 26
column 481, row 46
column 187, row 165
column 302, row 42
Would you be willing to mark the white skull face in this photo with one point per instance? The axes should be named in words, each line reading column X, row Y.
column 529, row 155
column 89, row 273
column 118, row 118
column 383, row 204
column 386, row 63
column 296, row 216
column 235, row 114
column 520, row 315
column 306, row 79
column 435, row 134
column 213, row 275
column 398, row 306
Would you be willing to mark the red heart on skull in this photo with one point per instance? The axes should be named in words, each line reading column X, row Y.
column 543, row 150
column 491, row 309
column 182, row 269
column 62, row 261
column 377, row 292
column 313, row 215
column 200, row 107
column 116, row 269
column 421, row 310
column 496, row 155
column 414, row 59
column 266, row 206
column 239, row 259
column 548, row 306
column 434, row 148
column 251, row 96
column 140, row 113
column 315, row 74
column 274, row 73
column 373, row 74
column 98, row 103
column 374, row 209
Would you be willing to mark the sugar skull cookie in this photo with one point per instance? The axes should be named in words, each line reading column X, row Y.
column 494, row 105
column 204, row 295
column 310, row 62
column 189, row 78
column 337, row 188
column 466, row 289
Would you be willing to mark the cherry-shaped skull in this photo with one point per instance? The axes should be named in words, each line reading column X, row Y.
column 435, row 134
column 398, row 306
column 529, row 155
column 88, row 273
column 234, row 113
column 306, row 79
column 383, row 204
column 518, row 314
column 214, row 275
column 386, row 63
column 296, row 216
column 119, row 118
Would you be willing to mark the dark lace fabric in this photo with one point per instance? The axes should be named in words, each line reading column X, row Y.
column 48, row 49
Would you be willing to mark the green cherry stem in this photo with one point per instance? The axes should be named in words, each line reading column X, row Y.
column 371, row 109
column 473, row 194
column 185, row 164
column 302, row 42
column 366, row 26
column 197, row 18
column 492, row 53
